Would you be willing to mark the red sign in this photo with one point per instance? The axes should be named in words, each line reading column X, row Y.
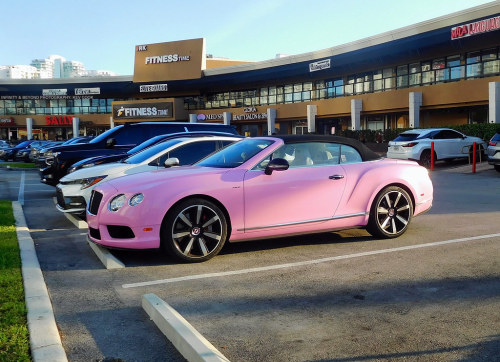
column 58, row 120
column 7, row 122
column 478, row 27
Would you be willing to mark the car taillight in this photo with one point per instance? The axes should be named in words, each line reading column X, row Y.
column 492, row 143
column 411, row 144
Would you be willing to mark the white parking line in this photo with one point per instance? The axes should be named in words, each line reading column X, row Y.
column 306, row 262
column 20, row 196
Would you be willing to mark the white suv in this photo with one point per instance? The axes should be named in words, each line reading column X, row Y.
column 415, row 145
column 494, row 151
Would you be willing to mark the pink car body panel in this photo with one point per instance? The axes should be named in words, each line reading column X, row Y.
column 295, row 201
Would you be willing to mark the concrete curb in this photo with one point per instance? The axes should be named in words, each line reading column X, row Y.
column 80, row 224
column 108, row 259
column 45, row 341
column 188, row 341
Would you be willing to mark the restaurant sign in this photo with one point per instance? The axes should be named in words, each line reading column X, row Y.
column 477, row 27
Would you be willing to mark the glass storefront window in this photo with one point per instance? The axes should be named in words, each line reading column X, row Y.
column 377, row 74
column 402, row 81
column 388, row 72
column 427, row 77
column 339, row 91
column 308, row 86
column 359, row 88
column 402, row 70
column 491, row 68
column 438, row 63
column 288, row 97
column 320, row 84
column 297, row 97
column 474, row 70
column 280, row 99
column 377, row 85
column 306, row 96
column 297, row 87
column 415, row 79
column 263, row 100
column 389, row 83
column 272, row 99
column 453, row 61
column 264, row 92
column 288, row 88
column 474, row 57
column 272, row 91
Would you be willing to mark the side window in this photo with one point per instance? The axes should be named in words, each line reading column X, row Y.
column 452, row 135
column 190, row 153
column 349, row 154
column 225, row 143
column 130, row 136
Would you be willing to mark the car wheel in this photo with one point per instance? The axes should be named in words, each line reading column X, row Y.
column 425, row 158
column 194, row 230
column 390, row 213
column 497, row 167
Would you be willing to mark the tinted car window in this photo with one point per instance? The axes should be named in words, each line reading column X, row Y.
column 235, row 154
column 151, row 151
column 496, row 137
column 106, row 134
column 404, row 137
column 190, row 153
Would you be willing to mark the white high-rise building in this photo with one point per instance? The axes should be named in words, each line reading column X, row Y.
column 73, row 69
column 18, row 72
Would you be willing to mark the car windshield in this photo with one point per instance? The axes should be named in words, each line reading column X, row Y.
column 105, row 135
column 23, row 144
column 235, row 154
column 151, row 151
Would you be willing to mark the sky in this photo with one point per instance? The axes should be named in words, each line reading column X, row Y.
column 103, row 33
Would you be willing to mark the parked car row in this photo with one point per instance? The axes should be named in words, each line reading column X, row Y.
column 494, row 151
column 189, row 195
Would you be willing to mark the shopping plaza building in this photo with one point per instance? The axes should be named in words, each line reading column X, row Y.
column 440, row 72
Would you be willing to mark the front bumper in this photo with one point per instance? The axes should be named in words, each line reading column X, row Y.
column 70, row 204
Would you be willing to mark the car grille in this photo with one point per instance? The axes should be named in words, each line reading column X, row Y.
column 95, row 201
column 60, row 198
column 95, row 233
column 120, row 232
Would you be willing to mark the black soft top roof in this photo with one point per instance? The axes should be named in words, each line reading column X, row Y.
column 366, row 153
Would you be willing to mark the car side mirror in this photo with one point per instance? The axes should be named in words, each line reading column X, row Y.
column 171, row 162
column 110, row 143
column 276, row 164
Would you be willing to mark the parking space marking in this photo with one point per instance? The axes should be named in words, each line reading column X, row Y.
column 307, row 262
column 20, row 196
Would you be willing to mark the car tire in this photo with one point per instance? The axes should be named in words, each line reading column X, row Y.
column 497, row 167
column 425, row 158
column 390, row 213
column 194, row 230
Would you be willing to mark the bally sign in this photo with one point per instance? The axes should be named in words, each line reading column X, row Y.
column 142, row 110
column 478, row 27
column 58, row 120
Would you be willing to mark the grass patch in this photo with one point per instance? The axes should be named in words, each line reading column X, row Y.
column 14, row 337
column 18, row 164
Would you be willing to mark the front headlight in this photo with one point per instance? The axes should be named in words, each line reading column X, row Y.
column 91, row 181
column 117, row 202
column 136, row 199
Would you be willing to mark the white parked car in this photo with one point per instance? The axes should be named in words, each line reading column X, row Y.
column 73, row 191
column 415, row 145
column 494, row 151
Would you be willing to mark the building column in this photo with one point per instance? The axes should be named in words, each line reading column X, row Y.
column 312, row 112
column 415, row 101
column 76, row 126
column 111, row 122
column 356, row 108
column 29, row 128
column 271, row 121
column 193, row 118
column 494, row 102
column 227, row 116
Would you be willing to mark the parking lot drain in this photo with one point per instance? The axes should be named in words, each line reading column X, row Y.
column 188, row 341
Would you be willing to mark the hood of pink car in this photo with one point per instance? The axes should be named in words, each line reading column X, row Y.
column 146, row 180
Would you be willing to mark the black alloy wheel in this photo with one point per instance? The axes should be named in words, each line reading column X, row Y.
column 425, row 158
column 391, row 213
column 195, row 230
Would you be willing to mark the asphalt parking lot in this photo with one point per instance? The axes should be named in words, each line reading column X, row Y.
column 432, row 294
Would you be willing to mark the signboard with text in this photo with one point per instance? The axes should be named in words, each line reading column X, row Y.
column 142, row 110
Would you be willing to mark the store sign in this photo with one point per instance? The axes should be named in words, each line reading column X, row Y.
column 153, row 88
column 54, row 92
column 87, row 91
column 58, row 120
column 322, row 64
column 167, row 58
column 5, row 122
column 478, row 27
column 209, row 117
column 249, row 116
column 142, row 110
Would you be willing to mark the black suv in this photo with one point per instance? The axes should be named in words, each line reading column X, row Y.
column 114, row 141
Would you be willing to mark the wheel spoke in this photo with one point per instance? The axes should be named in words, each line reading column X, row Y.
column 189, row 246
column 382, row 210
column 397, row 199
column 406, row 207
column 393, row 223
column 198, row 214
column 212, row 235
column 211, row 221
column 404, row 221
column 185, row 219
column 384, row 224
column 388, row 200
column 180, row 235
column 203, row 246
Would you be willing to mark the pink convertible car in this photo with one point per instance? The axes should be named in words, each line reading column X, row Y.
column 259, row 188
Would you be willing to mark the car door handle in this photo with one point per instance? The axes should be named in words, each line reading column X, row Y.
column 336, row 177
